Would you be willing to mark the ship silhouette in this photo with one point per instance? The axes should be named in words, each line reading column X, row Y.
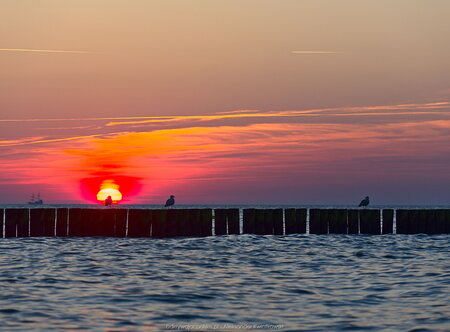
column 37, row 201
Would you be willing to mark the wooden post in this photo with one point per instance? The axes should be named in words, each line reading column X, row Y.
column 10, row 223
column 172, row 222
column 402, row 221
column 139, row 223
column 414, row 219
column 74, row 228
column 23, row 223
column 300, row 217
column 120, row 221
column 370, row 221
column 331, row 218
column 78, row 221
column 333, row 226
column 49, row 223
column 338, row 221
column 2, row 212
column 430, row 220
column 195, row 222
column 89, row 222
column 206, row 222
column 295, row 221
column 406, row 222
column 314, row 221
column 353, row 221
column 183, row 222
column 233, row 221
column 388, row 221
column 259, row 222
column 419, row 222
column 249, row 221
column 158, row 220
column 290, row 222
column 220, row 221
column 182, row 215
column 324, row 220
column 96, row 222
column 268, row 222
column 61, row 221
column 278, row 222
column 106, row 222
column 16, row 223
column 101, row 222
column 342, row 220
column 42, row 222
column 318, row 221
column 190, row 223
column 441, row 221
column 446, row 220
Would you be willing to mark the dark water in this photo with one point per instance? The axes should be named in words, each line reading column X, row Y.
column 302, row 282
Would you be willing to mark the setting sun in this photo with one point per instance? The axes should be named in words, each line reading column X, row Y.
column 109, row 188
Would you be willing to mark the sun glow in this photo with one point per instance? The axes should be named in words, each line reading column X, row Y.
column 109, row 188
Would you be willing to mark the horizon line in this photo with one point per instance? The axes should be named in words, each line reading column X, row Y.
column 44, row 51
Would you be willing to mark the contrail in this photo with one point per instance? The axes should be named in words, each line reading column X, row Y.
column 43, row 51
column 316, row 52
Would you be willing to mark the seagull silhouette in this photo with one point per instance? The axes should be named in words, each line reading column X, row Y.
column 170, row 201
column 108, row 201
column 364, row 202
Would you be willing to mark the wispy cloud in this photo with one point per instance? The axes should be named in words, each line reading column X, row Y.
column 76, row 128
column 85, row 119
column 44, row 51
column 21, row 141
column 355, row 110
column 316, row 52
column 27, row 141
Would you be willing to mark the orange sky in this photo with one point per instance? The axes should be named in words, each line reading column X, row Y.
column 251, row 101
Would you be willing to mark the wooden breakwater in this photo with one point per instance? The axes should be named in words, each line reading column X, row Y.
column 162, row 223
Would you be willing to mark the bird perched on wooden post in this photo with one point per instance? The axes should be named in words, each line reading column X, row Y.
column 108, row 201
column 364, row 202
column 170, row 201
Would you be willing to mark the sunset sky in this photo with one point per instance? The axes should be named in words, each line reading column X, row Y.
column 232, row 101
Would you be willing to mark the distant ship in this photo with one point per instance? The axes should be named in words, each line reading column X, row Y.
column 38, row 201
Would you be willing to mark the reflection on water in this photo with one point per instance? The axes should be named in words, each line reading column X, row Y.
column 301, row 282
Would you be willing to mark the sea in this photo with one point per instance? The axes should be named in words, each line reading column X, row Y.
column 226, row 283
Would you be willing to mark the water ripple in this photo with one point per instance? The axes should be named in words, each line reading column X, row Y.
column 292, row 283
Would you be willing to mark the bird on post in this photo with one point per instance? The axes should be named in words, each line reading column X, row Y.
column 170, row 201
column 108, row 201
column 364, row 202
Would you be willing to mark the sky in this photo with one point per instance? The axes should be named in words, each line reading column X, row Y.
column 225, row 102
